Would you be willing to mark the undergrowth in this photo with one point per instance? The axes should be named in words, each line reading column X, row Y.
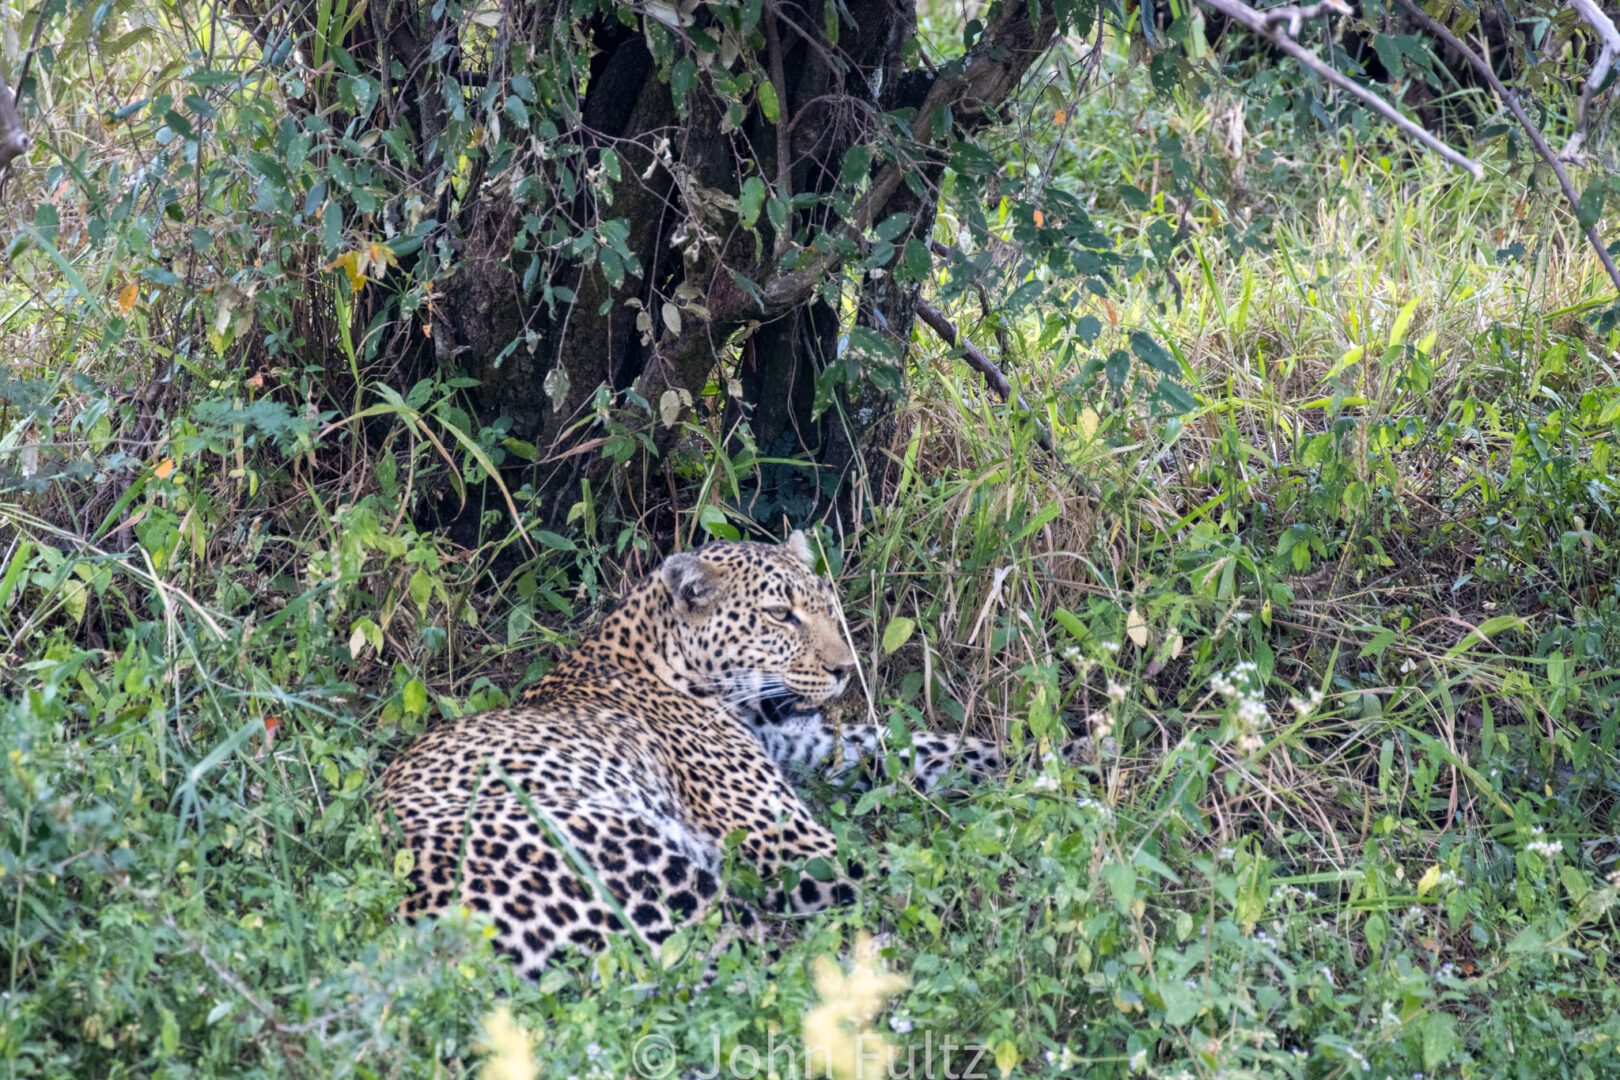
column 1342, row 637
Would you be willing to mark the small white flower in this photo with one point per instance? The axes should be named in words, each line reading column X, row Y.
column 900, row 1024
column 1117, row 692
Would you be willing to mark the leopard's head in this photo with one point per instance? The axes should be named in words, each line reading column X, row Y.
column 755, row 622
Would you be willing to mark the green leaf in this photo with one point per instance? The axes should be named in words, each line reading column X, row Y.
column 751, row 201
column 768, row 103
column 897, row 633
column 856, row 163
column 1181, row 1005
column 47, row 220
column 1382, row 639
column 14, row 571
column 916, row 263
column 1152, row 354
column 892, row 226
column 1527, row 941
column 1176, row 396
column 1403, row 320
column 331, row 228
column 1485, row 632
column 1071, row 622
column 1121, row 879
column 1590, row 208
column 713, row 521
column 168, row 1032
column 819, row 868
column 414, row 698
column 681, row 80
column 1117, row 367
column 1376, row 931
column 1351, row 356
column 555, row 541
column 1439, row 1039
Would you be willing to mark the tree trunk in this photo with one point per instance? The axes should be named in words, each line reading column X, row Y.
column 693, row 282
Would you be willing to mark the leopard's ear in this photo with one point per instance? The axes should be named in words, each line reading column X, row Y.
column 799, row 545
column 691, row 582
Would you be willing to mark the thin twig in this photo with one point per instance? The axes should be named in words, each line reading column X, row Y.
column 1486, row 72
column 1274, row 26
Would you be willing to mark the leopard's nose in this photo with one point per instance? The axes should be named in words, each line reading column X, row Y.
column 841, row 671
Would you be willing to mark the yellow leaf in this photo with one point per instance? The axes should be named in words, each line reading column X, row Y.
column 164, row 469
column 1089, row 420
column 1430, row 878
column 127, row 297
column 349, row 263
column 839, row 1041
column 509, row 1046
column 1006, row 1056
column 1060, row 117
column 1040, row 219
column 1136, row 628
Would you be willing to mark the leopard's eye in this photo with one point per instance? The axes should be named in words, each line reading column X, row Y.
column 782, row 613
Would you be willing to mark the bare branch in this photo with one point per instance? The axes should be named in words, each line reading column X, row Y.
column 1488, row 73
column 1609, row 35
column 1294, row 17
column 1278, row 27
column 979, row 362
column 975, row 358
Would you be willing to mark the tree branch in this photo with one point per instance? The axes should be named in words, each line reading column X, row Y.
column 984, row 77
column 1486, row 72
column 1609, row 35
column 981, row 363
column 1278, row 26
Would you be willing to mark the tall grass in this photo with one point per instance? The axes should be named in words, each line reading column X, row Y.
column 1336, row 649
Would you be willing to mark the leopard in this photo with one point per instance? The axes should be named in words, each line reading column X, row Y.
column 605, row 799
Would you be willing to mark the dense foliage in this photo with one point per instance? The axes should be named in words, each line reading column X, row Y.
column 1306, row 521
